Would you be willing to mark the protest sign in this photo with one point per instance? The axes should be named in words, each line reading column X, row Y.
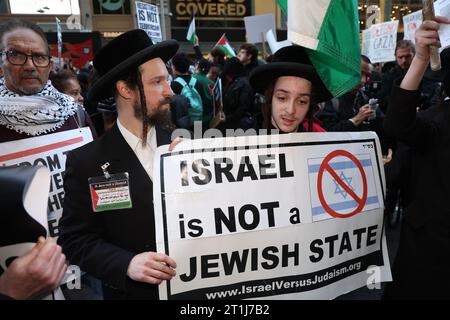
column 442, row 8
column 49, row 150
column 274, row 44
column 411, row 23
column 296, row 216
column 24, row 194
column 379, row 43
column 255, row 25
column 148, row 20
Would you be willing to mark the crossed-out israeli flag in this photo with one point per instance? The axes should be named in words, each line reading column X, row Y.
column 343, row 186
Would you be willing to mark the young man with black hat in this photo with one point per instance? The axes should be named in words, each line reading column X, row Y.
column 423, row 260
column 108, row 226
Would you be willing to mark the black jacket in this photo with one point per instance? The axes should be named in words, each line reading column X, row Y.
column 103, row 243
column 423, row 260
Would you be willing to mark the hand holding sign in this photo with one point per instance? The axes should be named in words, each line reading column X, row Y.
column 36, row 273
column 151, row 267
column 428, row 14
column 426, row 36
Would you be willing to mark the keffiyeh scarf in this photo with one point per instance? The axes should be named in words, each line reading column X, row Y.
column 37, row 114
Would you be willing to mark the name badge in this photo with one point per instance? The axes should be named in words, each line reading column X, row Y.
column 111, row 192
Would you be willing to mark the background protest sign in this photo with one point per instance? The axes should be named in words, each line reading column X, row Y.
column 148, row 20
column 442, row 8
column 255, row 25
column 49, row 150
column 274, row 44
column 380, row 41
column 411, row 23
column 296, row 216
column 24, row 194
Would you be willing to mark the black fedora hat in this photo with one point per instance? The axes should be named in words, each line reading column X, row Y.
column 125, row 53
column 289, row 61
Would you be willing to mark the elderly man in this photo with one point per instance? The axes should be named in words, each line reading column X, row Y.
column 115, row 241
column 26, row 65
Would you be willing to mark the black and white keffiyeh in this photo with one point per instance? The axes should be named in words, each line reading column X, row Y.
column 37, row 114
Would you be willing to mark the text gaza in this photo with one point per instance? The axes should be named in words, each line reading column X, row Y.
column 202, row 171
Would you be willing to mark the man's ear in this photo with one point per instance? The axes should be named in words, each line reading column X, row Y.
column 123, row 90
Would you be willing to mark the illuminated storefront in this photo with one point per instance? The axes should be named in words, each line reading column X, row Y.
column 371, row 11
column 213, row 17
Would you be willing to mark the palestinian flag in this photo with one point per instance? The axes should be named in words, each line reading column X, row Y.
column 329, row 29
column 191, row 31
column 224, row 45
column 283, row 6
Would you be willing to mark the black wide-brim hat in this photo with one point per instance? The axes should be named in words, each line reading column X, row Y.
column 123, row 54
column 289, row 61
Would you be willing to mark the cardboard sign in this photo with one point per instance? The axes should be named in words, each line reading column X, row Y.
column 295, row 216
column 148, row 20
column 379, row 42
column 255, row 25
column 49, row 150
column 411, row 23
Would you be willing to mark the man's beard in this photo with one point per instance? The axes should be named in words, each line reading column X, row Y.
column 28, row 91
column 162, row 115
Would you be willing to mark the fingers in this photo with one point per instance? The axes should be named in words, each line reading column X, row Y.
column 48, row 250
column 389, row 153
column 151, row 267
column 441, row 19
column 160, row 271
column 174, row 143
column 165, row 258
column 428, row 37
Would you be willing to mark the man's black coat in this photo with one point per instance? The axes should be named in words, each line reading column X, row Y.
column 103, row 243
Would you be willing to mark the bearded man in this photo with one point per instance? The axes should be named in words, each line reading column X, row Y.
column 108, row 226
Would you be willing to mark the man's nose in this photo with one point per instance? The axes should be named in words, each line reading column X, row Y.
column 167, row 90
column 29, row 65
column 290, row 107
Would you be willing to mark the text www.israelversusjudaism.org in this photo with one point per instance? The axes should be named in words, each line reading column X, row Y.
column 282, row 284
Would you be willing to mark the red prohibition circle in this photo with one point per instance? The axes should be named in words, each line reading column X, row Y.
column 325, row 166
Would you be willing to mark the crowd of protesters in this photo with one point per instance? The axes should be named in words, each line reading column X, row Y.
column 283, row 93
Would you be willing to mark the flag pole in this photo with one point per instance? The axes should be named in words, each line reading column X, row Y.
column 428, row 14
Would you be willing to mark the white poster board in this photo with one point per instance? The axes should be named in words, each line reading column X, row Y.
column 255, row 25
column 148, row 20
column 295, row 216
column 274, row 44
column 411, row 23
column 49, row 150
column 381, row 39
column 442, row 8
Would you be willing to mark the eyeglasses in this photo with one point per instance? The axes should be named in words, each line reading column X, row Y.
column 19, row 58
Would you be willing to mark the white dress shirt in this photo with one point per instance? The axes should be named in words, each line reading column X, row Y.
column 146, row 153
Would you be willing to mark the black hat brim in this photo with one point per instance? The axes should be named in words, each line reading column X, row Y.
column 102, row 88
column 262, row 76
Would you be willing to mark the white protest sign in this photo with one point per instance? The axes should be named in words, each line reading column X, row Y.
column 382, row 40
column 411, row 23
column 49, row 150
column 296, row 216
column 274, row 44
column 365, row 47
column 442, row 8
column 148, row 20
column 255, row 25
